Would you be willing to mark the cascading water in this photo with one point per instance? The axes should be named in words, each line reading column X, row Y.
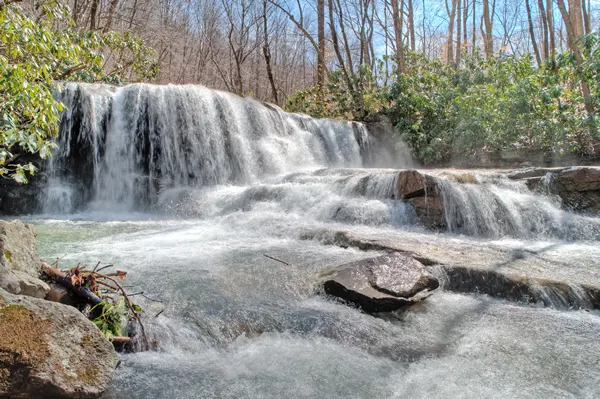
column 143, row 139
column 188, row 188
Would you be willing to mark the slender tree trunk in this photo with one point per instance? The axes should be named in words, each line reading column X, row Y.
column 586, row 16
column 411, row 25
column 551, row 33
column 574, row 26
column 536, row 51
column 543, row 17
column 93, row 12
column 398, row 36
column 489, row 39
column 321, row 40
column 267, row 55
column 349, row 62
column 458, row 31
column 450, row 45
column 465, row 18
column 111, row 12
column 133, row 12
column 474, row 28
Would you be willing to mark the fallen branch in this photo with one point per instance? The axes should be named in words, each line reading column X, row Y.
column 64, row 280
column 86, row 285
column 276, row 260
column 130, row 305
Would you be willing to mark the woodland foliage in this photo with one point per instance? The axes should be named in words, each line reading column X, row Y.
column 38, row 50
column 440, row 109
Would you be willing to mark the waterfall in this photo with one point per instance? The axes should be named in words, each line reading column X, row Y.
column 120, row 147
column 192, row 151
column 494, row 206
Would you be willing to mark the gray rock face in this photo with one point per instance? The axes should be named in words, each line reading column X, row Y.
column 20, row 260
column 381, row 284
column 51, row 350
column 19, row 240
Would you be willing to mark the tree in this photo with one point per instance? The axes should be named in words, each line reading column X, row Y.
column 37, row 52
column 573, row 20
column 532, row 33
column 32, row 58
column 488, row 34
column 321, row 38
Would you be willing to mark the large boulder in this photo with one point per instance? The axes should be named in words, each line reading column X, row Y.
column 412, row 183
column 579, row 188
column 382, row 284
column 51, row 350
column 20, row 260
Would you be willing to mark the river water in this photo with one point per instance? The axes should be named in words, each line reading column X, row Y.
column 190, row 208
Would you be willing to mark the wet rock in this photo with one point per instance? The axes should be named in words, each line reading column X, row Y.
column 532, row 173
column 19, row 199
column 19, row 260
column 521, row 276
column 51, row 350
column 430, row 211
column 31, row 286
column 577, row 186
column 381, row 284
column 412, row 183
column 18, row 247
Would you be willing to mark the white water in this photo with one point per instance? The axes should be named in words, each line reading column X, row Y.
column 187, row 188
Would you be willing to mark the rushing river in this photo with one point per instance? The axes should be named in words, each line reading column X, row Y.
column 187, row 189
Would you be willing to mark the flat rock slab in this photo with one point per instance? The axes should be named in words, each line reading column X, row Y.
column 380, row 284
column 560, row 275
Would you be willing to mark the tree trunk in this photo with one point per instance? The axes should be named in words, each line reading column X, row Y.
column 321, row 41
column 93, row 12
column 411, row 25
column 489, row 39
column 450, row 45
column 267, row 55
column 111, row 12
column 552, row 36
column 398, row 36
column 474, row 33
column 586, row 16
column 543, row 17
column 573, row 25
column 458, row 31
column 536, row 51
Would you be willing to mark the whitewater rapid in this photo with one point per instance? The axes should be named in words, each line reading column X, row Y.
column 187, row 189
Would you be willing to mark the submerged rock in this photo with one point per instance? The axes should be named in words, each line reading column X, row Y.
column 20, row 260
column 51, row 350
column 380, row 284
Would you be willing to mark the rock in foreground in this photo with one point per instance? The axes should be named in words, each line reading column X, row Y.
column 381, row 284
column 20, row 260
column 51, row 350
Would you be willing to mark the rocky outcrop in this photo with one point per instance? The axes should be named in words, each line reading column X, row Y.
column 20, row 260
column 51, row 350
column 521, row 276
column 421, row 191
column 578, row 187
column 381, row 284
